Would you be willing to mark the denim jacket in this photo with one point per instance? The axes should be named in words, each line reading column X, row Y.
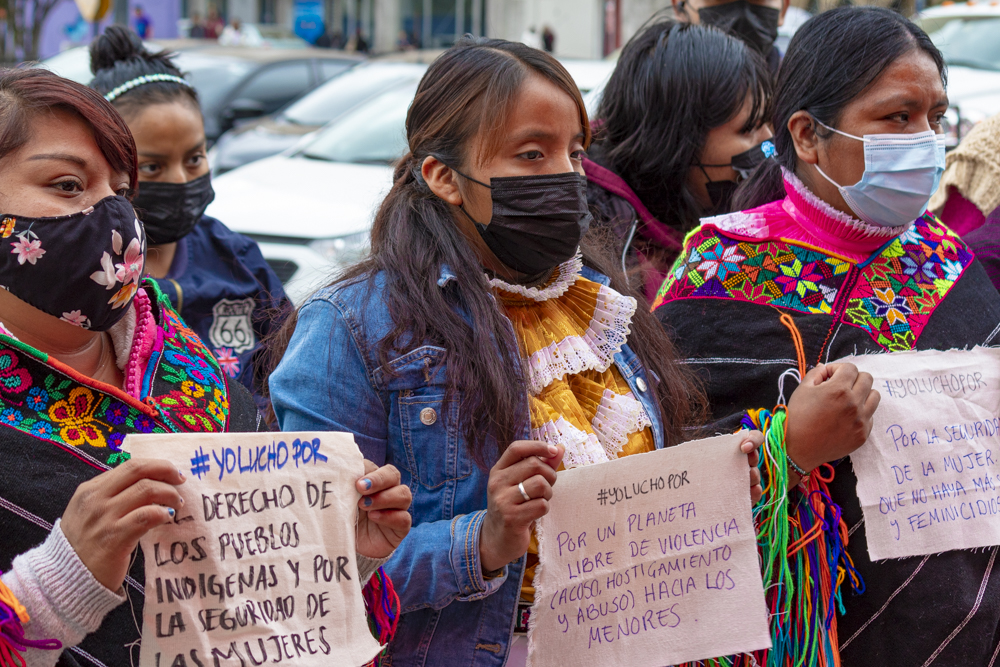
column 330, row 379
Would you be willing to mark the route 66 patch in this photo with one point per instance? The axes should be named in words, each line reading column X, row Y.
column 232, row 326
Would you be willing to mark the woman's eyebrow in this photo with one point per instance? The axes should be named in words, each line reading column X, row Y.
column 540, row 134
column 65, row 157
column 909, row 102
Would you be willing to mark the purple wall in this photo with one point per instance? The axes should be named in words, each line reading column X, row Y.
column 58, row 33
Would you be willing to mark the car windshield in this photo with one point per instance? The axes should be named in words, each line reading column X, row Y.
column 212, row 77
column 348, row 90
column 970, row 42
column 374, row 133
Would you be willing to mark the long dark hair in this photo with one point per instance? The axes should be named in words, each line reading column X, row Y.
column 25, row 93
column 463, row 101
column 118, row 56
column 673, row 83
column 833, row 58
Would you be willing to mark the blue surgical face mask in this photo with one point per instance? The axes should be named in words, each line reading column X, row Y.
column 902, row 171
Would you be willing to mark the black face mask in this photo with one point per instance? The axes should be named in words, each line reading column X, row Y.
column 170, row 211
column 83, row 268
column 746, row 162
column 537, row 221
column 754, row 24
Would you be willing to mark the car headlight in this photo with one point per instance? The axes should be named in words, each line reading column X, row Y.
column 343, row 250
column 957, row 123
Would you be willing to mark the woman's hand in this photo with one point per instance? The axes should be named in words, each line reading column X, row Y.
column 506, row 530
column 384, row 520
column 751, row 447
column 829, row 415
column 108, row 514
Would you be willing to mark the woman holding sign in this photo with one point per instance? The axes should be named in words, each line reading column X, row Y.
column 90, row 352
column 835, row 255
column 486, row 316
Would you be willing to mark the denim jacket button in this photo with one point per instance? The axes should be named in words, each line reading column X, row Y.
column 640, row 384
column 428, row 416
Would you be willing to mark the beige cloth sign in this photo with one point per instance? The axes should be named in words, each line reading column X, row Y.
column 259, row 566
column 928, row 475
column 649, row 560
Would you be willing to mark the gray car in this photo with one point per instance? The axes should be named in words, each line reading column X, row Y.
column 233, row 83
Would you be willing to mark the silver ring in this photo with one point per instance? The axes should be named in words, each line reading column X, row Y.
column 524, row 494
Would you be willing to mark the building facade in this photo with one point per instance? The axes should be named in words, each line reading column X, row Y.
column 582, row 28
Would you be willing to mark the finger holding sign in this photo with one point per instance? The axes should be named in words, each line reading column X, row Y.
column 506, row 531
column 751, row 447
column 384, row 520
column 108, row 514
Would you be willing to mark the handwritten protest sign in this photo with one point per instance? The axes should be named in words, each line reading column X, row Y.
column 928, row 475
column 259, row 566
column 649, row 560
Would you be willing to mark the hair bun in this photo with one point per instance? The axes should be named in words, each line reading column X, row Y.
column 117, row 44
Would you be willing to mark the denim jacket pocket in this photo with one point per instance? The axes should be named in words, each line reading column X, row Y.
column 428, row 416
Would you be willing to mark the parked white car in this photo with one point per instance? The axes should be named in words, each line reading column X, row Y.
column 311, row 208
column 968, row 34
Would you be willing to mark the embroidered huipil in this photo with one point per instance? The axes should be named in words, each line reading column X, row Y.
column 850, row 288
column 568, row 332
column 60, row 429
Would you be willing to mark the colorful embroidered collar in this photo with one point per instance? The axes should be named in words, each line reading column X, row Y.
column 182, row 390
column 891, row 295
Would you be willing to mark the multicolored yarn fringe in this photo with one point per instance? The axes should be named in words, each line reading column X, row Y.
column 802, row 542
column 382, row 604
column 12, row 639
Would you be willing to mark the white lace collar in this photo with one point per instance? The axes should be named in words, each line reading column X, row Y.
column 567, row 274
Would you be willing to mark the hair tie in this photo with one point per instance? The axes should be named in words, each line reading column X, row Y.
column 145, row 78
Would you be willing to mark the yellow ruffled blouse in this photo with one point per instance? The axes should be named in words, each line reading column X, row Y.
column 568, row 331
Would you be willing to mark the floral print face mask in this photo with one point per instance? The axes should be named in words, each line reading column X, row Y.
column 83, row 268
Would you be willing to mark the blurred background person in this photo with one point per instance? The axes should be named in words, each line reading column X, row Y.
column 682, row 120
column 330, row 39
column 216, row 278
column 143, row 24
column 214, row 25
column 234, row 35
column 403, row 42
column 197, row 29
column 548, row 39
column 756, row 22
column 968, row 199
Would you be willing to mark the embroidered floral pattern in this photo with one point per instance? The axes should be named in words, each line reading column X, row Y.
column 198, row 401
column 14, row 379
column 892, row 297
column 58, row 409
column 7, row 226
column 40, row 400
column 74, row 416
